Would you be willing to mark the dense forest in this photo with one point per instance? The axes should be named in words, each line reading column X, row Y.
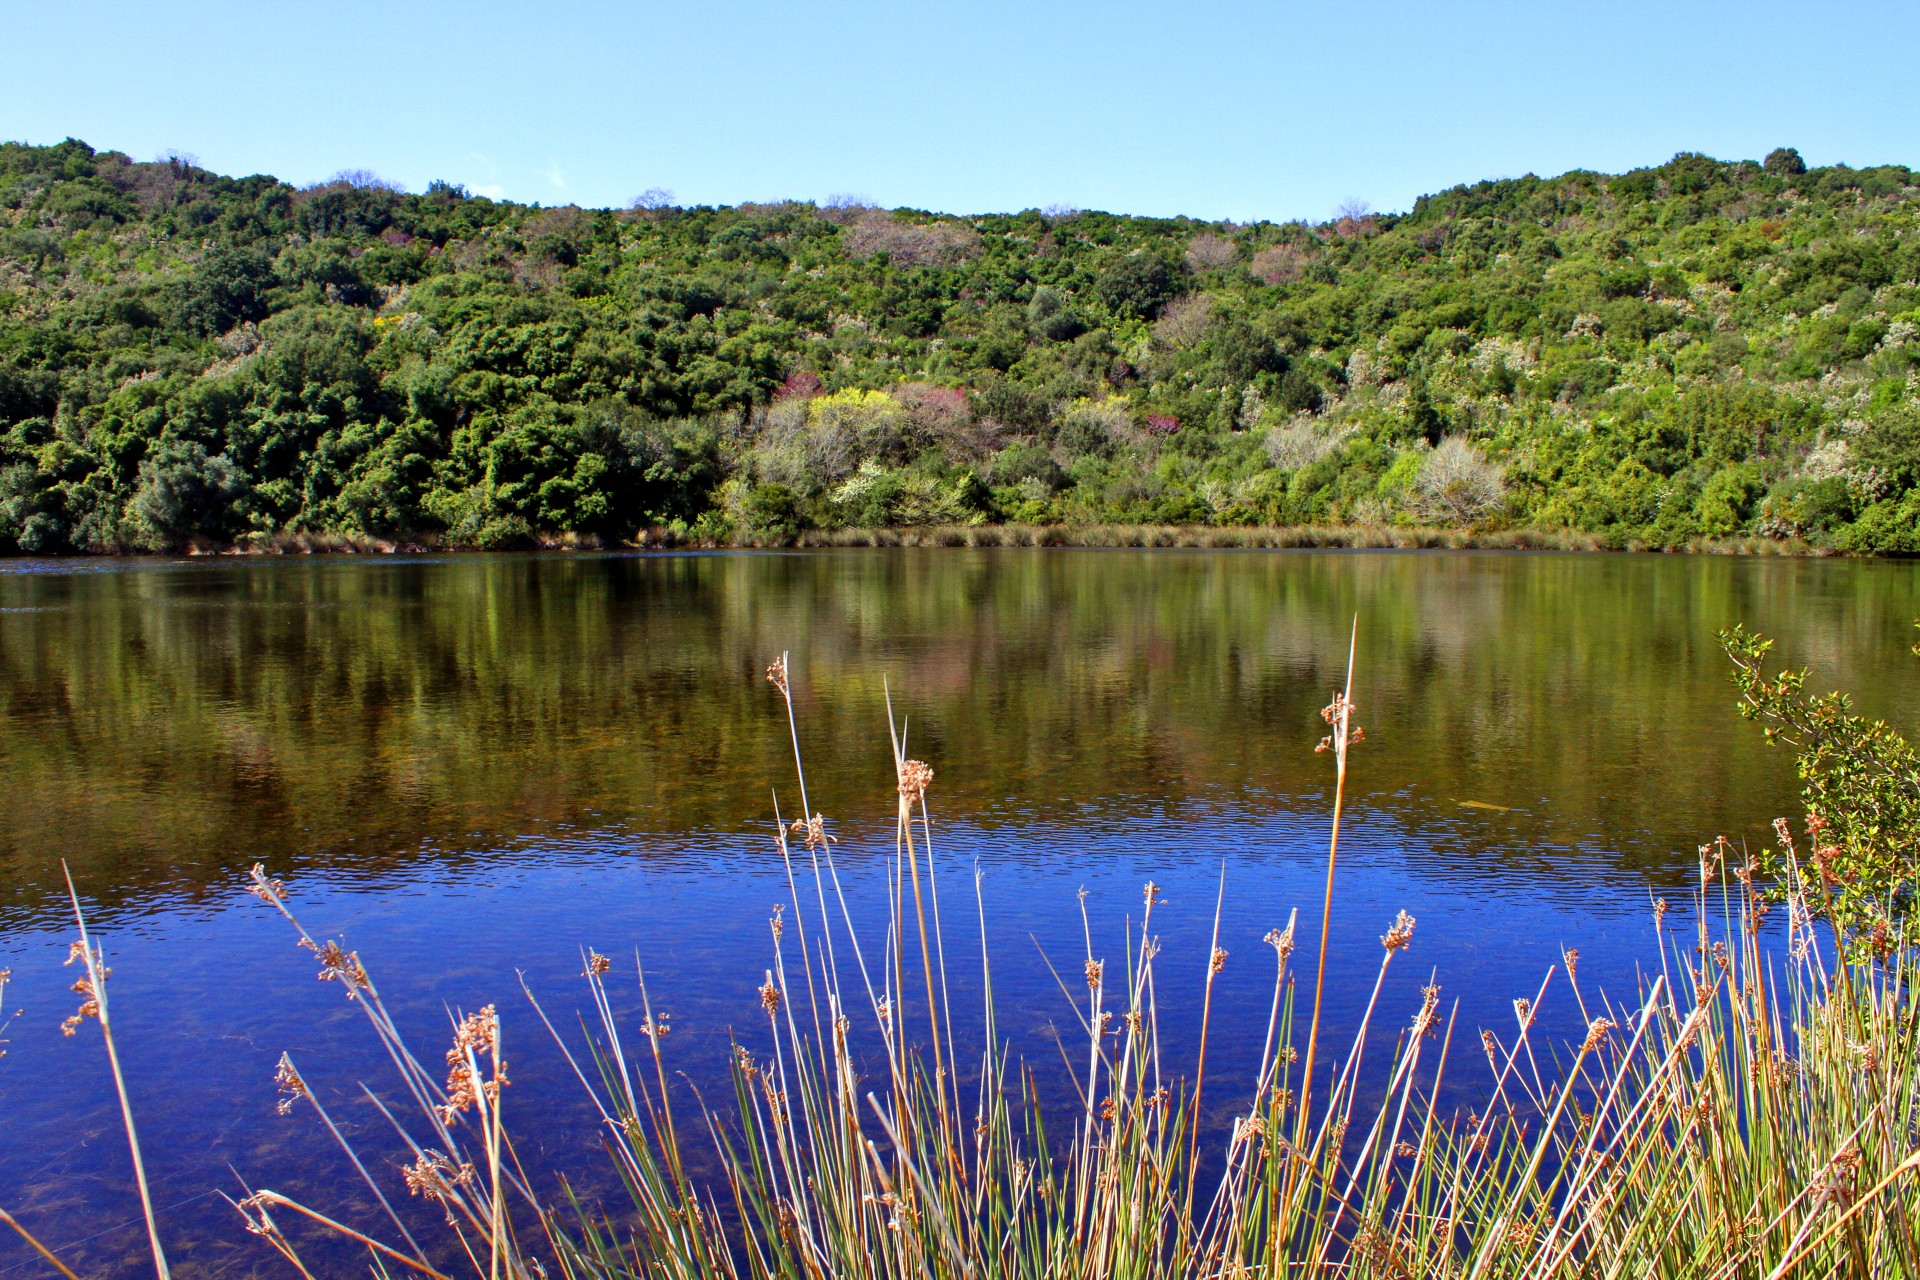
column 1699, row 350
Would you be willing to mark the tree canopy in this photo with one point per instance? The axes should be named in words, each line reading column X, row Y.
column 1695, row 350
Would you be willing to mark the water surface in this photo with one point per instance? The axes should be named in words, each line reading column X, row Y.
column 471, row 766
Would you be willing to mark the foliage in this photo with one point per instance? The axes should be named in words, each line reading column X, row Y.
column 1862, row 794
column 1700, row 349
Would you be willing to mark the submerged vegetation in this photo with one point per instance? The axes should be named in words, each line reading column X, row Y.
column 1749, row 1111
column 1700, row 350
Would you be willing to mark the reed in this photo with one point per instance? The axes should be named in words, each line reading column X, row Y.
column 1749, row 1112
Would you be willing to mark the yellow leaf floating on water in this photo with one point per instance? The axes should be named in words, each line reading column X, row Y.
column 1482, row 804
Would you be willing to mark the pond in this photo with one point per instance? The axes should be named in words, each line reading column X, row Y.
column 472, row 767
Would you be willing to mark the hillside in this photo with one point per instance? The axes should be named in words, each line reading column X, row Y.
column 1702, row 349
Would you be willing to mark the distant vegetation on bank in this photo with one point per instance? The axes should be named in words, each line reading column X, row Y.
column 1703, row 349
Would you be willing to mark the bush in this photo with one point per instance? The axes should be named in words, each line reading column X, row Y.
column 1784, row 161
column 1135, row 287
column 1457, row 485
column 184, row 494
column 774, row 513
column 228, row 286
column 1727, row 500
column 1862, row 793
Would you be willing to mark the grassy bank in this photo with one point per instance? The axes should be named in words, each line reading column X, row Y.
column 1269, row 537
column 1750, row 1110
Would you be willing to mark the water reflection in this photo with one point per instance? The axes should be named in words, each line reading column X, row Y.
column 471, row 766
column 162, row 727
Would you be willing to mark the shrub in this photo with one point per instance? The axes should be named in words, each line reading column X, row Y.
column 1861, row 871
column 1784, row 161
column 1134, row 287
column 873, row 232
column 1209, row 252
column 1457, row 485
column 185, row 493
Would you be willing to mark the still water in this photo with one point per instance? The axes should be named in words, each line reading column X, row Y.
column 472, row 767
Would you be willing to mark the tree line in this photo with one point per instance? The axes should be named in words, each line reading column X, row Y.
column 1701, row 349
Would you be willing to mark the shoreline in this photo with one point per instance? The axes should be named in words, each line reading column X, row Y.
column 1088, row 536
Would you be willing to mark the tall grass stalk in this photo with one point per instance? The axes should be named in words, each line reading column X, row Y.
column 1749, row 1111
column 94, row 987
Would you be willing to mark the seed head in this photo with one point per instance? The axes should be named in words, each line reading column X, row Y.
column 814, row 831
column 1597, row 1033
column 770, row 996
column 777, row 674
column 597, row 964
column 475, row 1035
column 434, row 1177
column 915, row 777
column 1094, row 968
column 1281, row 940
column 289, row 1082
column 339, row 965
column 1339, row 716
column 1219, row 960
column 90, row 1004
column 268, row 890
column 1400, row 936
column 1428, row 1018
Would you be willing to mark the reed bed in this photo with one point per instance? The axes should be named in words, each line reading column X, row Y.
column 1751, row 1111
column 1359, row 537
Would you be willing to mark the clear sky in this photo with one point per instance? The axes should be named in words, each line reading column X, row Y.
column 1214, row 108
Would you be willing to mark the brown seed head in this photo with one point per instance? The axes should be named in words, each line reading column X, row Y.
column 1281, row 940
column 1094, row 969
column 338, row 965
column 770, row 996
column 597, row 964
column 814, row 831
column 1219, row 960
column 1597, row 1033
column 777, row 674
column 289, row 1082
column 433, row 1177
column 1400, row 936
column 90, row 1005
column 1428, row 1018
column 915, row 777
column 268, row 890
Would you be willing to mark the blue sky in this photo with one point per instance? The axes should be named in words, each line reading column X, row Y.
column 1212, row 108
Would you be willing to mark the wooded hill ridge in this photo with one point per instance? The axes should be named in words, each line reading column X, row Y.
column 1702, row 349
